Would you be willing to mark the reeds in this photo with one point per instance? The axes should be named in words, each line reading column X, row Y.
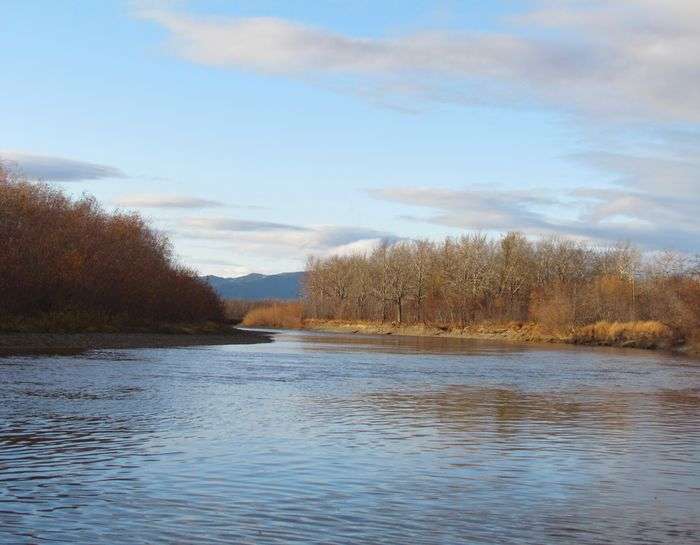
column 639, row 334
column 284, row 315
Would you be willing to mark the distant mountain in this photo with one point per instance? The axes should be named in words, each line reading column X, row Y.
column 258, row 286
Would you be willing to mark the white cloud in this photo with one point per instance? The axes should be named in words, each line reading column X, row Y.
column 164, row 201
column 475, row 208
column 630, row 58
column 363, row 246
column 616, row 62
column 277, row 239
column 232, row 225
column 646, row 212
column 58, row 169
column 218, row 267
column 665, row 175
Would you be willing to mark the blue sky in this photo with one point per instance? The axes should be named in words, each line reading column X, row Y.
column 257, row 133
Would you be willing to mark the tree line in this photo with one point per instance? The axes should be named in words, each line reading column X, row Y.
column 60, row 255
column 553, row 281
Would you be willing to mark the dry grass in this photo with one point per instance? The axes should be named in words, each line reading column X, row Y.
column 507, row 331
column 639, row 334
column 236, row 310
column 650, row 334
column 278, row 315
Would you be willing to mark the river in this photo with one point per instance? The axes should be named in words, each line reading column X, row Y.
column 321, row 438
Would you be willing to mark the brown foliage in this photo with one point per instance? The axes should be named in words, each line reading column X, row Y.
column 236, row 309
column 649, row 334
column 286, row 315
column 555, row 283
column 67, row 256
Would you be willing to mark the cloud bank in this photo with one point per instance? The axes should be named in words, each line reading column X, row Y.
column 280, row 239
column 58, row 169
column 231, row 225
column 652, row 201
column 165, row 201
column 630, row 58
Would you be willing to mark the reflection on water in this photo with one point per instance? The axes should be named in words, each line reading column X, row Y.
column 399, row 344
column 346, row 439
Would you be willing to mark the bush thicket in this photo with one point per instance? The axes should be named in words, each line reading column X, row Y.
column 71, row 261
column 557, row 283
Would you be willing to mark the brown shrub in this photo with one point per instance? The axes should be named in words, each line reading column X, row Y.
column 649, row 334
column 285, row 315
column 236, row 309
column 693, row 342
column 68, row 257
column 675, row 301
column 555, row 310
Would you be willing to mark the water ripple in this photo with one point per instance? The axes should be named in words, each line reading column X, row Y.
column 332, row 439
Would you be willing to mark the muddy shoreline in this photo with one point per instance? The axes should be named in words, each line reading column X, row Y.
column 526, row 333
column 75, row 343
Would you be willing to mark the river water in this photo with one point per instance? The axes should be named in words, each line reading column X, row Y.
column 344, row 439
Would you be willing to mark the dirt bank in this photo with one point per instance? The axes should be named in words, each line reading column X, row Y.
column 520, row 333
column 645, row 335
column 71, row 343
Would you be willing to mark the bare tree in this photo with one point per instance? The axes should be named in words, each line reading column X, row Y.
column 473, row 278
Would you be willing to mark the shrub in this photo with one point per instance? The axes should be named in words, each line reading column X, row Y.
column 649, row 334
column 236, row 309
column 70, row 259
column 286, row 315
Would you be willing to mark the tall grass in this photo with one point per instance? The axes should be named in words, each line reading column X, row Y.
column 647, row 334
column 285, row 315
column 236, row 309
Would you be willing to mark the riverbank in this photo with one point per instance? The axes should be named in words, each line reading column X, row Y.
column 643, row 335
column 527, row 333
column 75, row 343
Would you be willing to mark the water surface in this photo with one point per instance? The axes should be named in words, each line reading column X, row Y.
column 347, row 439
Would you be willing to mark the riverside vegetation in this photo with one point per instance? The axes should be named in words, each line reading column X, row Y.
column 68, row 265
column 552, row 289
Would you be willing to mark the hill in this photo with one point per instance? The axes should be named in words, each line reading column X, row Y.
column 258, row 286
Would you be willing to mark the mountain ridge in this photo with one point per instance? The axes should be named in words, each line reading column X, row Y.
column 256, row 286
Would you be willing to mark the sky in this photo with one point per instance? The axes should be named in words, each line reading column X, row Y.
column 257, row 133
